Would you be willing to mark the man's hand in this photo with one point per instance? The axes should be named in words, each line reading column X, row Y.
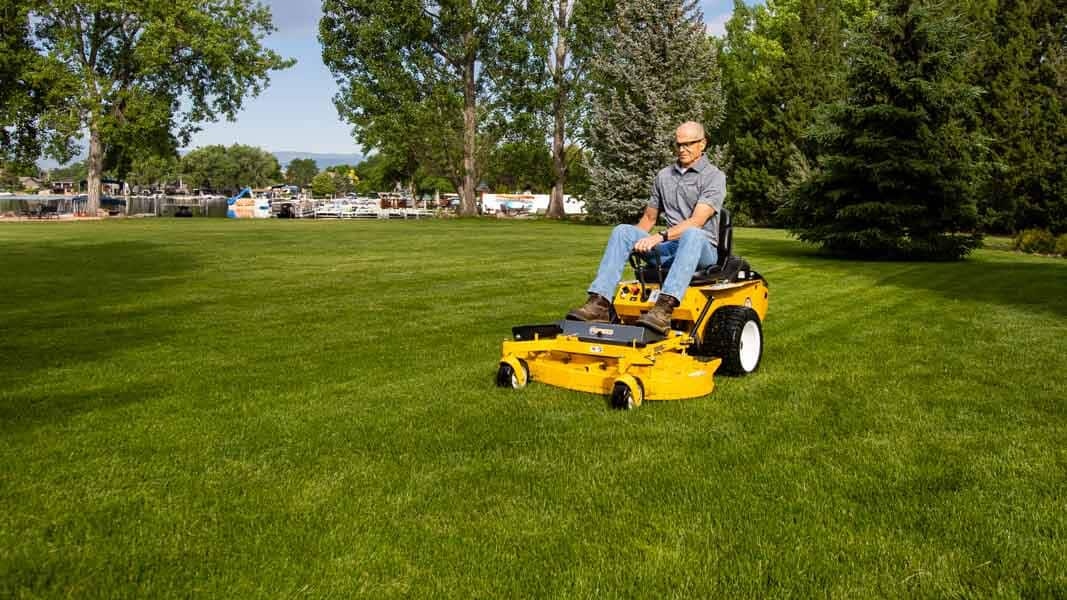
column 645, row 245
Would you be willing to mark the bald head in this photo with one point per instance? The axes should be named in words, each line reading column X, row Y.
column 689, row 143
column 690, row 130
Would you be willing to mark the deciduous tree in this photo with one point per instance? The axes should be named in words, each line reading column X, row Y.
column 323, row 185
column 229, row 169
column 154, row 172
column 27, row 88
column 345, row 178
column 416, row 77
column 565, row 34
column 301, row 171
column 155, row 66
column 377, row 173
column 76, row 171
column 517, row 167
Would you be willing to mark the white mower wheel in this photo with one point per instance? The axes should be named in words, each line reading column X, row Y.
column 508, row 377
column 627, row 393
column 751, row 348
column 736, row 336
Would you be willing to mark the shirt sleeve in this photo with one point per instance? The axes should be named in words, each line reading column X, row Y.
column 655, row 198
column 713, row 190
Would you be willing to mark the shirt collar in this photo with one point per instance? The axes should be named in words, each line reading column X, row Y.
column 697, row 166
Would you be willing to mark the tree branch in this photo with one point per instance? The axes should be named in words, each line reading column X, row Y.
column 77, row 25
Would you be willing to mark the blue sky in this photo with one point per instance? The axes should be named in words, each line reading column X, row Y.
column 296, row 112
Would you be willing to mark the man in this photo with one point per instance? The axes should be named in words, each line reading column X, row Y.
column 689, row 194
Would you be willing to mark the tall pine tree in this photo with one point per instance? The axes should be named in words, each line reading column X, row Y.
column 658, row 70
column 897, row 165
column 780, row 59
column 1023, row 64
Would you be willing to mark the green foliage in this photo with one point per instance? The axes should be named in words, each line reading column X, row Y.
column 301, row 171
column 229, row 169
column 144, row 130
column 143, row 74
column 577, row 170
column 1061, row 244
column 518, row 167
column 27, row 89
column 564, row 37
column 1022, row 63
column 232, row 415
column 417, row 78
column 154, row 172
column 377, row 173
column 345, row 178
column 430, row 185
column 21, row 103
column 657, row 69
column 75, row 171
column 898, row 160
column 1036, row 241
column 322, row 185
column 9, row 181
column 780, row 60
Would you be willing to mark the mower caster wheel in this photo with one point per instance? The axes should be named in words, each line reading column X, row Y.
column 512, row 374
column 626, row 394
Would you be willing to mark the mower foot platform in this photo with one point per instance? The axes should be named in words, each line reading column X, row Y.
column 607, row 333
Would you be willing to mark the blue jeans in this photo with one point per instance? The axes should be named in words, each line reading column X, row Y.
column 684, row 256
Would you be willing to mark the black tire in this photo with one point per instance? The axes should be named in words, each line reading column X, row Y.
column 507, row 378
column 622, row 397
column 735, row 335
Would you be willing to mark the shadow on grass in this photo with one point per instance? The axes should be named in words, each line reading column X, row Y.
column 774, row 248
column 1033, row 284
column 1038, row 286
column 70, row 305
column 24, row 411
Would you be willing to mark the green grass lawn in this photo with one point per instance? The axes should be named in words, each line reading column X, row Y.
column 307, row 409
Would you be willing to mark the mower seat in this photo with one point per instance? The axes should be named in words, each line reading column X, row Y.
column 727, row 268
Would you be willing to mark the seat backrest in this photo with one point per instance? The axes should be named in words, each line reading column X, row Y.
column 726, row 236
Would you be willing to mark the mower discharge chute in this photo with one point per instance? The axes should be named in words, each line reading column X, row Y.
column 717, row 327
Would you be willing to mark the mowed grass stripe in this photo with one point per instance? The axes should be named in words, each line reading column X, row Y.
column 283, row 408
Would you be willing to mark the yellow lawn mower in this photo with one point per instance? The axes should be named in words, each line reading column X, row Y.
column 717, row 327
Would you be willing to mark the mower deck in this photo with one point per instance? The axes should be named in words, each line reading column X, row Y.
column 593, row 357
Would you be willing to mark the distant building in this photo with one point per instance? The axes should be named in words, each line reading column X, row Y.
column 63, row 187
column 30, row 184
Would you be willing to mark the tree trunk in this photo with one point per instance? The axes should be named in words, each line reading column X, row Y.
column 559, row 169
column 96, row 168
column 559, row 166
column 470, row 123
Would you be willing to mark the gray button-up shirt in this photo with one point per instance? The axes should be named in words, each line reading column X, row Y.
column 676, row 192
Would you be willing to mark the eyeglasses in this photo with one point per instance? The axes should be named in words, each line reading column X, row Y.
column 687, row 145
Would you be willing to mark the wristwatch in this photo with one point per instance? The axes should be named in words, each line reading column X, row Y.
column 664, row 234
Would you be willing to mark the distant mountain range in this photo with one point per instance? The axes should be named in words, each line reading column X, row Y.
column 284, row 156
column 322, row 160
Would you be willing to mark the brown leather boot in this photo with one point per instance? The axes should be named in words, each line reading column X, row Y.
column 596, row 308
column 659, row 318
